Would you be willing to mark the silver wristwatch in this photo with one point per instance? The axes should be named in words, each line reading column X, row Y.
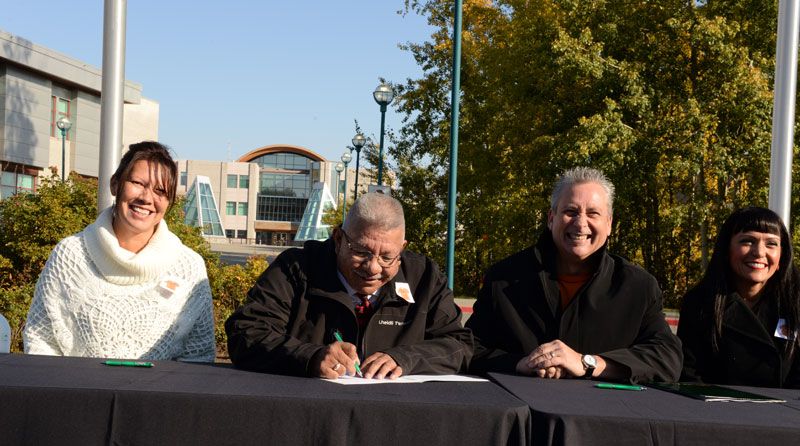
column 589, row 364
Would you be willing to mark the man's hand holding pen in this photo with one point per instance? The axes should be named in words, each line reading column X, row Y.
column 334, row 360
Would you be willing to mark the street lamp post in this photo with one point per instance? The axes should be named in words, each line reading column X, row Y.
column 64, row 125
column 339, row 168
column 346, row 157
column 383, row 96
column 358, row 143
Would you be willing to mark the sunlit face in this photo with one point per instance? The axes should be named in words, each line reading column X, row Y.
column 141, row 203
column 754, row 258
column 369, row 258
column 581, row 222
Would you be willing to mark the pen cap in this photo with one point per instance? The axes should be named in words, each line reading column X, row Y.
column 5, row 335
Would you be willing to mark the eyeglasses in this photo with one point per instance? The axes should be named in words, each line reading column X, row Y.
column 361, row 255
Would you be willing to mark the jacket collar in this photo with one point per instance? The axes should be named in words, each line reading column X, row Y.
column 546, row 254
column 741, row 319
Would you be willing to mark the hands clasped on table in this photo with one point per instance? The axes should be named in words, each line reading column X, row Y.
column 554, row 360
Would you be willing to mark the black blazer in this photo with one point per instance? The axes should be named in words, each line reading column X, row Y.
column 748, row 355
column 617, row 315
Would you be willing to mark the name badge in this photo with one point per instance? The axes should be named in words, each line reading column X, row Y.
column 782, row 330
column 168, row 287
column 404, row 291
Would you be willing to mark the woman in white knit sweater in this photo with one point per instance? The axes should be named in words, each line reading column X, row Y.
column 126, row 287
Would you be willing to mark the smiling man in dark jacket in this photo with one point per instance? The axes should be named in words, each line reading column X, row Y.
column 565, row 307
column 391, row 307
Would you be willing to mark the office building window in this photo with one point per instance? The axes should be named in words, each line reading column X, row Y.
column 230, row 208
column 229, row 233
column 60, row 107
column 12, row 183
column 280, row 208
column 184, row 178
column 242, row 209
column 232, row 181
column 244, row 181
column 241, row 233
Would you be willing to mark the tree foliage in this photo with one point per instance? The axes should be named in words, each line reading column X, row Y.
column 671, row 99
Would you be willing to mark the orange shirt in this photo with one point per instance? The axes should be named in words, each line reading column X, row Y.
column 569, row 284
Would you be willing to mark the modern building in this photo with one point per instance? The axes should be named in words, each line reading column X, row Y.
column 37, row 87
column 261, row 197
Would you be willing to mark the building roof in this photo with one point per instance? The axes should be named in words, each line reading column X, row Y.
column 279, row 148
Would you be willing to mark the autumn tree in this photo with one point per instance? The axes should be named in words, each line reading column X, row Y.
column 672, row 99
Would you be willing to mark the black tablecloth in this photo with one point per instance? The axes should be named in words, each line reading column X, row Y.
column 574, row 412
column 53, row 400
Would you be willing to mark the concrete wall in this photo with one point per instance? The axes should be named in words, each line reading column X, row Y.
column 29, row 76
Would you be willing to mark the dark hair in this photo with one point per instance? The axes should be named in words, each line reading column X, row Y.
column 158, row 157
column 781, row 287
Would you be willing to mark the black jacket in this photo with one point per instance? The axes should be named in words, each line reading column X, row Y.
column 617, row 315
column 749, row 354
column 298, row 302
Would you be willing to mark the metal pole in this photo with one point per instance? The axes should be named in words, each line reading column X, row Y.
column 344, row 200
column 780, row 167
column 454, row 103
column 338, row 189
column 63, row 154
column 112, row 97
column 355, row 189
column 380, row 156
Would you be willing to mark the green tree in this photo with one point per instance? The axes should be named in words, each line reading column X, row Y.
column 671, row 99
column 30, row 225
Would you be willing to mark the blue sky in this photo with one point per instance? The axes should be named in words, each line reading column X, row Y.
column 244, row 73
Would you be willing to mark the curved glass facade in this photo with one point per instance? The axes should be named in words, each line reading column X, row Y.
column 284, row 186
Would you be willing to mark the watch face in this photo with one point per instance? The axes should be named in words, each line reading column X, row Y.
column 589, row 361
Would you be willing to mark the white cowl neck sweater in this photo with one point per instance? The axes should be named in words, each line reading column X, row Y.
column 96, row 299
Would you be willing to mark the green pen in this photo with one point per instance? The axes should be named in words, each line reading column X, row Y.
column 129, row 363
column 619, row 386
column 338, row 337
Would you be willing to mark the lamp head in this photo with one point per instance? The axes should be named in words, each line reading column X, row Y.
column 359, row 141
column 63, row 123
column 383, row 95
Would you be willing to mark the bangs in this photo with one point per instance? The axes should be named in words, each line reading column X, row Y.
column 766, row 222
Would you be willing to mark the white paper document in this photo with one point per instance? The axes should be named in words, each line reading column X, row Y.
column 355, row 380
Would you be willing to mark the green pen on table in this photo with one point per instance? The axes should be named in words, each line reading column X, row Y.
column 619, row 386
column 129, row 363
column 338, row 337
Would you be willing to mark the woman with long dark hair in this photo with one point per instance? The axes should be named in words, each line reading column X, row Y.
column 739, row 324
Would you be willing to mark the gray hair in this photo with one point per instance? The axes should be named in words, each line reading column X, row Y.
column 375, row 211
column 580, row 175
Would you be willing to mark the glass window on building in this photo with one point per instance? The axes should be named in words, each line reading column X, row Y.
column 12, row 183
column 229, row 233
column 211, row 223
column 285, row 184
column 184, row 178
column 60, row 107
column 241, row 233
column 233, row 180
column 242, row 209
column 201, row 208
column 8, row 184
column 244, row 181
column 230, row 208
